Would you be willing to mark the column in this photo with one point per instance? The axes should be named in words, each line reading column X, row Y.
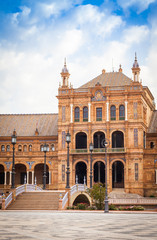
column 10, row 180
column 27, row 177
column 89, row 112
column 32, row 177
column 107, row 111
column 156, row 176
column 71, row 113
column 5, row 178
column 126, row 110
column 49, row 177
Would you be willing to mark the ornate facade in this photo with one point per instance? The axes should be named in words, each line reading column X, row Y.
column 110, row 106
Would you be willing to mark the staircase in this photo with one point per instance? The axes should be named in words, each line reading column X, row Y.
column 118, row 193
column 42, row 200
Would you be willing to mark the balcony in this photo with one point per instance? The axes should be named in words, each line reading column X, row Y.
column 98, row 150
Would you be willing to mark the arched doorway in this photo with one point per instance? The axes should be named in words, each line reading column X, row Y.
column 81, row 198
column 81, row 172
column 99, row 172
column 98, row 137
column 1, row 174
column 81, row 140
column 38, row 173
column 118, row 174
column 20, row 173
column 117, row 139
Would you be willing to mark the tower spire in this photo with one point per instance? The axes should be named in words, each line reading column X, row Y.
column 136, row 69
column 65, row 75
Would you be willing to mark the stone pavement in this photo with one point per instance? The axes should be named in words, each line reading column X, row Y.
column 69, row 225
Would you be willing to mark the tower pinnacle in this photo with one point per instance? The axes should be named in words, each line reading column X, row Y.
column 65, row 75
column 136, row 69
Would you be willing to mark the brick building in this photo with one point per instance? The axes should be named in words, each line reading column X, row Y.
column 110, row 106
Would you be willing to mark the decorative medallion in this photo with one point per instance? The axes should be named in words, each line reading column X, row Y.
column 7, row 164
column 98, row 96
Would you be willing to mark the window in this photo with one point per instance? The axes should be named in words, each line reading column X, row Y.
column 135, row 110
column 99, row 114
column 8, row 148
column 2, row 148
column 25, row 148
column 30, row 148
column 135, row 137
column 113, row 112
column 136, row 171
column 121, row 112
column 77, row 114
column 52, row 147
column 41, row 148
column 20, row 148
column 63, row 114
column 85, row 114
column 63, row 139
column 152, row 144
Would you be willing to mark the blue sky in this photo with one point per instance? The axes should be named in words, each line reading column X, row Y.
column 36, row 36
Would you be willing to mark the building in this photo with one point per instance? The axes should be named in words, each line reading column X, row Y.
column 111, row 106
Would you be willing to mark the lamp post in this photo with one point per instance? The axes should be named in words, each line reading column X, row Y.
column 13, row 141
column 91, row 150
column 45, row 149
column 68, row 140
column 105, row 143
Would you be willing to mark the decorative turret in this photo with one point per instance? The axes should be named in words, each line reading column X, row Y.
column 136, row 70
column 120, row 68
column 65, row 75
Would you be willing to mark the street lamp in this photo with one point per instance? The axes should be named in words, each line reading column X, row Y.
column 105, row 143
column 45, row 149
column 68, row 140
column 91, row 150
column 13, row 141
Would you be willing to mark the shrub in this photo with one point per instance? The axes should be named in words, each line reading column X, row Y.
column 97, row 193
column 91, row 208
column 138, row 208
column 152, row 196
column 112, row 207
column 81, row 206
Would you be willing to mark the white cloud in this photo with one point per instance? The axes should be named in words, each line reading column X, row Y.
column 136, row 34
column 141, row 5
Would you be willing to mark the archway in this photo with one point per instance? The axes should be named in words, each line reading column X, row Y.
column 117, row 139
column 81, row 172
column 99, row 172
column 20, row 173
column 81, row 140
column 98, row 137
column 81, row 198
column 38, row 173
column 1, row 174
column 118, row 174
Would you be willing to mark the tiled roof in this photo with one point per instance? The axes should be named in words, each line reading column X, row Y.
column 26, row 124
column 109, row 79
column 153, row 123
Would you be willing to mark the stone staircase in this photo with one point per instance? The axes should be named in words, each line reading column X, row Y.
column 38, row 200
column 119, row 193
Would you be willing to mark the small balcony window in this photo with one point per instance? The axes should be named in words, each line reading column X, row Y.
column 30, row 148
column 3, row 148
column 8, row 148
column 99, row 114
column 85, row 114
column 20, row 148
column 113, row 113
column 77, row 114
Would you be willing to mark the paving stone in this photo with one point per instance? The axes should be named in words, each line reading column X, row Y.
column 65, row 225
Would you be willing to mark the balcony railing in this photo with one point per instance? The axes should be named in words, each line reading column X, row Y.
column 99, row 150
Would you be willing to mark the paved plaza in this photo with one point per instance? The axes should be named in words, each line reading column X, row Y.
column 77, row 225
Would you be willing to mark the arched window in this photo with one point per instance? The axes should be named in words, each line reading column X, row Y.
column 77, row 114
column 20, row 148
column 85, row 114
column 30, row 148
column 113, row 112
column 25, row 148
column 41, row 148
column 2, row 148
column 8, row 148
column 121, row 112
column 52, row 147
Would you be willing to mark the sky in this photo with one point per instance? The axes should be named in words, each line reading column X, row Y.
column 36, row 36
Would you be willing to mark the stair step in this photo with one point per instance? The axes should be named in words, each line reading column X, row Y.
column 36, row 201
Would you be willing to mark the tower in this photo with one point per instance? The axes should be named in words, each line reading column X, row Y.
column 136, row 70
column 65, row 75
